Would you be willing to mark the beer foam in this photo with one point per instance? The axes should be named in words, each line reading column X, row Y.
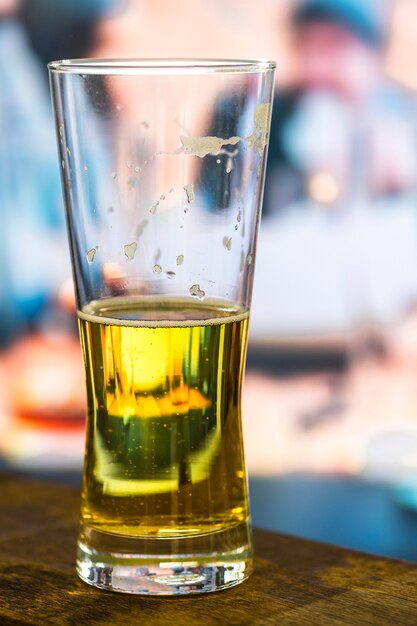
column 100, row 312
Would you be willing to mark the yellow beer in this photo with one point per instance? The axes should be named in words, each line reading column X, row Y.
column 164, row 454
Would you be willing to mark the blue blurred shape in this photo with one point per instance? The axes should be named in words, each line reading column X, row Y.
column 32, row 257
column 365, row 18
column 340, row 510
column 90, row 9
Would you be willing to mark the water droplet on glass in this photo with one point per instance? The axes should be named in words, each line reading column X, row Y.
column 180, row 259
column 197, row 292
column 153, row 208
column 189, row 191
column 227, row 242
column 114, row 175
column 140, row 228
column 130, row 250
column 157, row 268
column 129, row 164
column 91, row 254
column 170, row 274
column 249, row 259
column 85, row 168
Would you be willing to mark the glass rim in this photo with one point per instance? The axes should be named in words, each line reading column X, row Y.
column 138, row 66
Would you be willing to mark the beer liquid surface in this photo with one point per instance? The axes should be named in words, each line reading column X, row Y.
column 164, row 452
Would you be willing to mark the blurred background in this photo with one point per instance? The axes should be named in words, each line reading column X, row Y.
column 330, row 401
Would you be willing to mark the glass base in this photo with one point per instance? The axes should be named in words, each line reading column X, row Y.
column 142, row 566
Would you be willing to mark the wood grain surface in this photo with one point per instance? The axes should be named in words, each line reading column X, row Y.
column 295, row 581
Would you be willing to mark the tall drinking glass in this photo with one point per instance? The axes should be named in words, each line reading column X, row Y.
column 162, row 167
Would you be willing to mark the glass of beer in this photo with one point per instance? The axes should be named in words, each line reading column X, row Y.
column 162, row 164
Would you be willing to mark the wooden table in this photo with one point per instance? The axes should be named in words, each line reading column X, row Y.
column 295, row 582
